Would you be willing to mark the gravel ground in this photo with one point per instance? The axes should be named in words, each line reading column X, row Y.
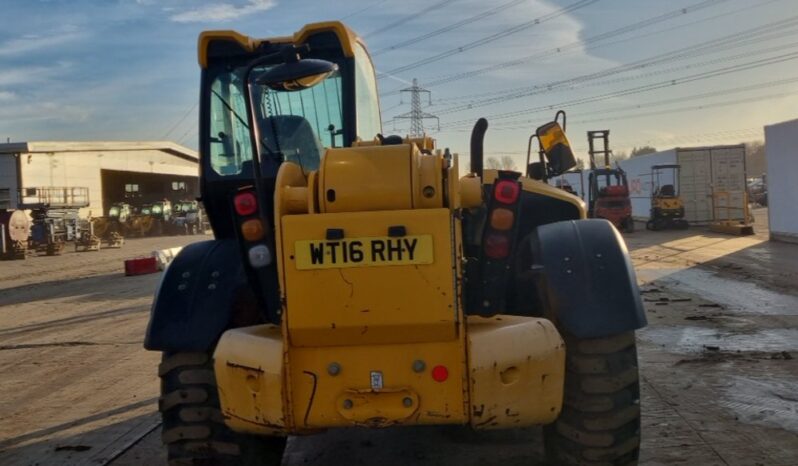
column 719, row 374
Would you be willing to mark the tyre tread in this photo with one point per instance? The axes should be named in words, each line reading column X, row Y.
column 600, row 420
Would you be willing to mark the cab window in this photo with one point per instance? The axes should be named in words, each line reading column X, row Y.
column 368, row 107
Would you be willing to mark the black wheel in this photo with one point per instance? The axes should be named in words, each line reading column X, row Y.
column 650, row 225
column 630, row 225
column 193, row 428
column 600, row 420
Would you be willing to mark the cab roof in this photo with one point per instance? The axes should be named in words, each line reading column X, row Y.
column 346, row 36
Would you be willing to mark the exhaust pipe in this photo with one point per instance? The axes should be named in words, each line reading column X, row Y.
column 477, row 146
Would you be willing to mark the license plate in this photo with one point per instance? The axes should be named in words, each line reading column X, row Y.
column 363, row 252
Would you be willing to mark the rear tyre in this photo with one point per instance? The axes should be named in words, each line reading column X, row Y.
column 193, row 427
column 600, row 420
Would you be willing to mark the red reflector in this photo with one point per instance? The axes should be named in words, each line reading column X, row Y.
column 506, row 191
column 245, row 203
column 497, row 246
column 440, row 373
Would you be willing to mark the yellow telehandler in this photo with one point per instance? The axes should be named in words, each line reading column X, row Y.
column 358, row 280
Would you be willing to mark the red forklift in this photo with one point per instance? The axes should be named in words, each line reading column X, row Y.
column 608, row 189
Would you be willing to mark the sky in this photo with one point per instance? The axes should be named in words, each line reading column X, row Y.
column 666, row 74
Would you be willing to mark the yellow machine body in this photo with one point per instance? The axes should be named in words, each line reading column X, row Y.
column 370, row 267
column 668, row 203
column 370, row 256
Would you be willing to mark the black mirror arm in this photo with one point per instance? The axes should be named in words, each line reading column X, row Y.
column 557, row 117
column 541, row 156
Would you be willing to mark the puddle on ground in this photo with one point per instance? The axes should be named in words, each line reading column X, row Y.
column 736, row 295
column 765, row 401
column 689, row 339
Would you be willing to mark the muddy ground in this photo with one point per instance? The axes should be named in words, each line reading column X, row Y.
column 719, row 364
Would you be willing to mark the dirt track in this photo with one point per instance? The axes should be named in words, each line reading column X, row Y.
column 720, row 385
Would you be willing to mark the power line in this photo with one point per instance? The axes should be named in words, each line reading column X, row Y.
column 494, row 37
column 407, row 18
column 473, row 97
column 174, row 127
column 450, row 27
column 694, row 108
column 726, row 134
column 726, row 103
column 190, row 130
column 577, row 44
column 645, row 88
column 363, row 10
column 703, row 95
column 636, row 77
column 735, row 40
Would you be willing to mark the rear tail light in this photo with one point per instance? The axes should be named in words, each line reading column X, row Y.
column 245, row 203
column 440, row 373
column 260, row 256
column 497, row 245
column 507, row 191
column 502, row 219
column 252, row 229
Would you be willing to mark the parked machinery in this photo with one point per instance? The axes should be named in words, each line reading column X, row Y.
column 55, row 216
column 14, row 232
column 140, row 223
column 187, row 218
column 162, row 213
column 110, row 229
column 608, row 188
column 359, row 281
column 667, row 208
column 86, row 240
column 153, row 219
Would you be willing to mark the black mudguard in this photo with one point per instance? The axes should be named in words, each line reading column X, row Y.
column 578, row 274
column 194, row 301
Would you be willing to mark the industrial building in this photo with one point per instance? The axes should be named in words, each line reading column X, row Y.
column 97, row 174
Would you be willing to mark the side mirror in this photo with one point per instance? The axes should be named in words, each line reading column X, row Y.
column 536, row 171
column 296, row 74
column 555, row 145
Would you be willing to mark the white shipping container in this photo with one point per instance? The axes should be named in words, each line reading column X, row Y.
column 711, row 181
column 638, row 174
column 781, row 151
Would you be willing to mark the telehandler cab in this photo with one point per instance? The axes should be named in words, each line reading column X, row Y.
column 357, row 279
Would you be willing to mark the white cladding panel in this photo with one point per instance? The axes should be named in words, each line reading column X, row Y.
column 638, row 173
column 781, row 151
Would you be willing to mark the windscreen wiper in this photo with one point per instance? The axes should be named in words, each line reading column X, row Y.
column 229, row 107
